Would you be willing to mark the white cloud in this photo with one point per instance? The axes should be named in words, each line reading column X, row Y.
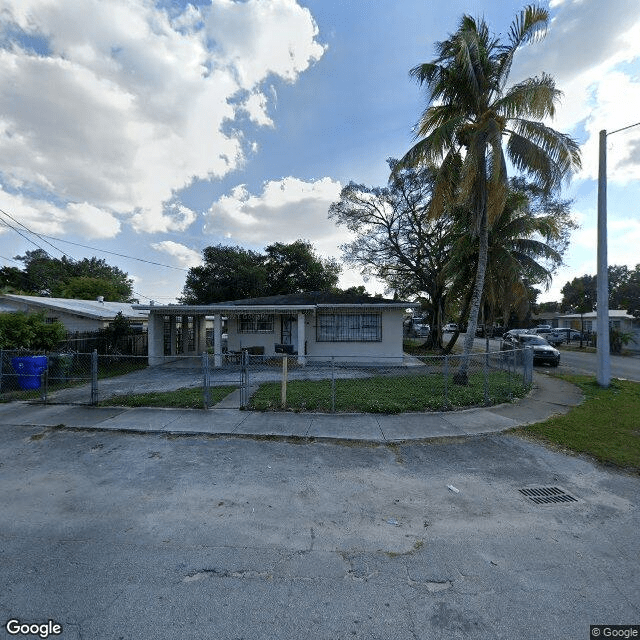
column 286, row 210
column 41, row 217
column 186, row 257
column 594, row 55
column 127, row 106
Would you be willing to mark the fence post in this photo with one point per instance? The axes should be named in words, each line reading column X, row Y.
column 446, row 380
column 333, row 384
column 527, row 377
column 486, row 379
column 44, row 377
column 94, row 377
column 244, row 379
column 283, row 395
column 206, row 397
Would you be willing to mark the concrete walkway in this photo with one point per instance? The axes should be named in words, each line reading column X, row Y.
column 549, row 396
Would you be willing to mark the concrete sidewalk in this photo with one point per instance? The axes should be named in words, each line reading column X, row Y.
column 549, row 396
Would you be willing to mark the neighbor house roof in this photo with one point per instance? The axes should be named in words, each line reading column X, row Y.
column 613, row 313
column 93, row 309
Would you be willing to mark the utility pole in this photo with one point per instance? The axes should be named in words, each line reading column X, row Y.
column 603, row 372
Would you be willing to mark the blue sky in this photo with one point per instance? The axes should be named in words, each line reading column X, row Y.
column 153, row 129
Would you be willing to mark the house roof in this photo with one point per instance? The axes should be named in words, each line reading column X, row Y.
column 93, row 309
column 310, row 301
column 613, row 313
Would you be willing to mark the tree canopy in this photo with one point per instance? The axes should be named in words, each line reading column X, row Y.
column 417, row 255
column 232, row 273
column 84, row 279
column 580, row 294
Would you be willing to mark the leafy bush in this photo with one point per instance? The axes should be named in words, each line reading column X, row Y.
column 22, row 330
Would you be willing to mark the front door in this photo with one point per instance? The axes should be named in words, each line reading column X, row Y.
column 289, row 331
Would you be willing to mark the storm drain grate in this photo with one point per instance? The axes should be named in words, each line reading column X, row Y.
column 546, row 495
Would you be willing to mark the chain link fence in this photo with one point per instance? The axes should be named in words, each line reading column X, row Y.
column 337, row 384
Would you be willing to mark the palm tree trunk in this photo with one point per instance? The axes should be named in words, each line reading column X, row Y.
column 462, row 375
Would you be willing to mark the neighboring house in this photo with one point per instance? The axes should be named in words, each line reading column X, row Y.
column 319, row 325
column 75, row 315
column 618, row 319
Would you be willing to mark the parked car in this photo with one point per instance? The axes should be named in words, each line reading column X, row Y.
column 450, row 327
column 512, row 333
column 568, row 334
column 496, row 332
column 543, row 352
column 551, row 337
column 417, row 327
column 420, row 330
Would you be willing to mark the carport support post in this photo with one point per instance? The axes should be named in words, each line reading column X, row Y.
column 206, row 397
column 217, row 341
column 301, row 339
column 94, row 377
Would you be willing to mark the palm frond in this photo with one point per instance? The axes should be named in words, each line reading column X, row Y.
column 532, row 98
column 529, row 26
column 546, row 154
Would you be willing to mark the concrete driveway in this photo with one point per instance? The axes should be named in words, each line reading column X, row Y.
column 116, row 536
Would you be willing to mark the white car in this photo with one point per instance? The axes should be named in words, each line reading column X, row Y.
column 451, row 327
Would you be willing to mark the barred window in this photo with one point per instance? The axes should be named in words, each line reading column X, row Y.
column 338, row 327
column 260, row 323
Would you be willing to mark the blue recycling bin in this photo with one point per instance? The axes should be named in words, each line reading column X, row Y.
column 29, row 370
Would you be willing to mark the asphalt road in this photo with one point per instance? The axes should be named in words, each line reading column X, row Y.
column 117, row 536
column 626, row 367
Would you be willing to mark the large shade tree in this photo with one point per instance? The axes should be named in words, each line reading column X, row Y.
column 474, row 122
column 396, row 239
column 232, row 272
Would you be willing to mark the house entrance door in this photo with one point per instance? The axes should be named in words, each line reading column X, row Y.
column 289, row 331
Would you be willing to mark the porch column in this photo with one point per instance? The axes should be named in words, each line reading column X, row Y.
column 185, row 335
column 155, row 338
column 217, row 340
column 173, row 335
column 301, row 338
column 201, row 334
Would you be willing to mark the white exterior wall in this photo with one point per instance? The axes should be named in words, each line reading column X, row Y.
column 389, row 347
column 71, row 322
column 238, row 341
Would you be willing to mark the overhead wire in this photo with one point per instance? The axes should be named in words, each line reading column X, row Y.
column 44, row 237
column 2, row 211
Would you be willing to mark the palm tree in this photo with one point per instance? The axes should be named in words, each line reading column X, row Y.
column 525, row 246
column 473, row 118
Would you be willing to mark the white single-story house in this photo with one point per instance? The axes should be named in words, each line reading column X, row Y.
column 619, row 319
column 75, row 315
column 317, row 324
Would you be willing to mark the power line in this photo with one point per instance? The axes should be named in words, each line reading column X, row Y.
column 32, row 232
column 113, row 253
column 623, row 129
column 6, row 224
column 43, row 237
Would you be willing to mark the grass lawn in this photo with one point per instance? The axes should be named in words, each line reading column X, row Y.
column 606, row 425
column 388, row 394
column 188, row 398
